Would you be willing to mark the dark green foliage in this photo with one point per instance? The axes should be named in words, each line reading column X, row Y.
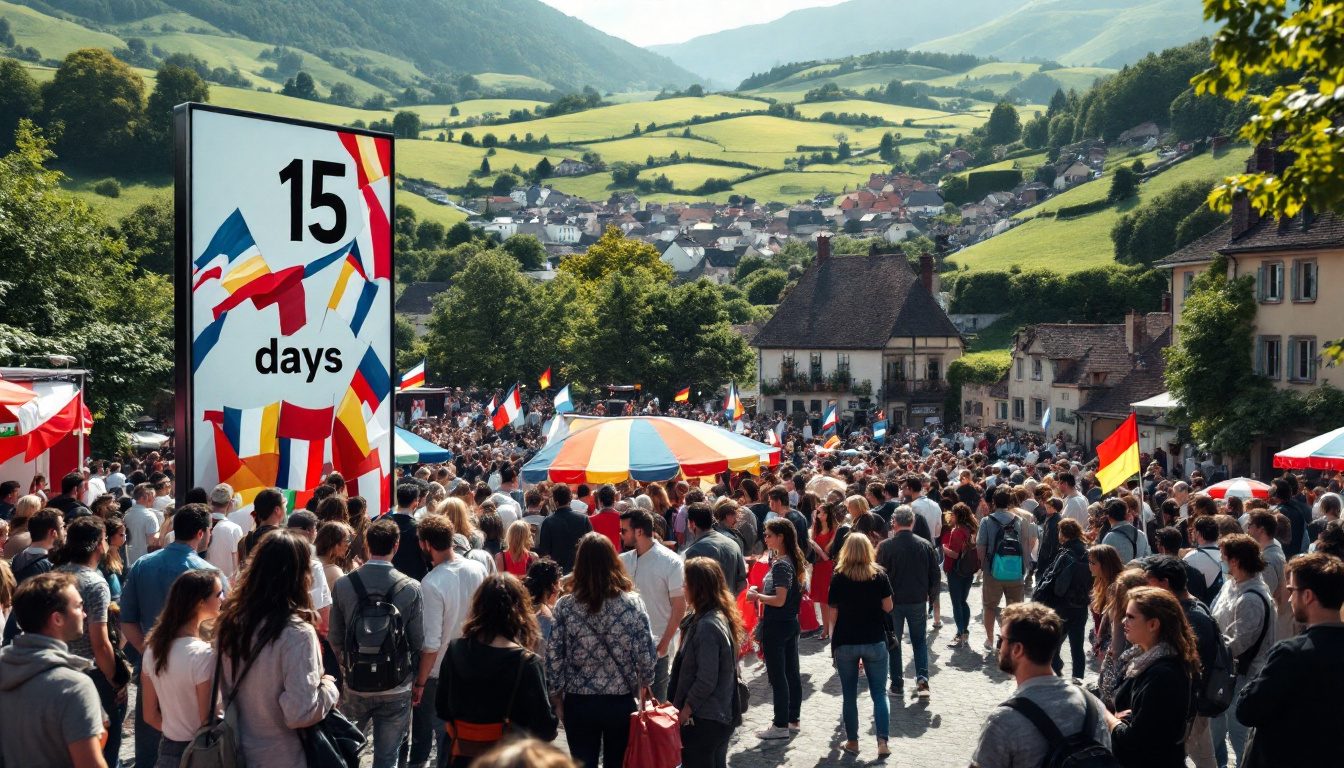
column 544, row 168
column 748, row 265
column 624, row 174
column 954, row 188
column 1036, row 89
column 1198, row 224
column 458, row 234
column 1142, row 91
column 952, row 62
column 98, row 102
column 148, row 232
column 174, row 85
column 575, row 102
column 763, row 286
column 887, row 150
column 406, row 125
column 981, row 183
column 301, row 86
column 1036, row 133
column 1058, row 103
column 1045, row 174
column 1098, row 295
column 1198, row 117
column 429, row 234
column 107, row 188
column 467, row 139
column 986, row 368
column 1149, row 233
column 504, row 184
column 1082, row 209
column 1124, row 184
column 489, row 140
column 485, row 167
column 1004, row 126
column 20, row 98
column 342, row 94
column 528, row 250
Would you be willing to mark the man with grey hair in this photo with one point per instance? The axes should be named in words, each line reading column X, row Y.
column 224, row 534
column 1181, row 493
column 912, row 567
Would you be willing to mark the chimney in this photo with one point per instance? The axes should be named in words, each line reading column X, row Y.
column 1166, row 302
column 1243, row 216
column 926, row 271
column 1136, row 331
column 823, row 248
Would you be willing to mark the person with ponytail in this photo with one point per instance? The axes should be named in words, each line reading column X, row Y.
column 179, row 663
column 781, row 593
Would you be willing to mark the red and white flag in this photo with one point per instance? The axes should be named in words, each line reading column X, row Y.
column 414, row 377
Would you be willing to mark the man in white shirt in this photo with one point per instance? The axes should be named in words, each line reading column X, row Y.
column 163, row 493
column 94, row 484
column 1181, row 492
column 304, row 523
column 1075, row 503
column 225, row 535
column 447, row 590
column 142, row 525
column 924, row 506
column 241, row 516
column 657, row 573
column 115, row 479
column 1206, row 557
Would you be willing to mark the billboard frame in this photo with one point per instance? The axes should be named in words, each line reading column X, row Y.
column 184, row 437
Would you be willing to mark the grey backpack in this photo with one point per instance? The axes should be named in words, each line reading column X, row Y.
column 216, row 744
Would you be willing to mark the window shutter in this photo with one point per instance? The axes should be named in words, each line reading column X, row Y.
column 1292, row 359
column 1311, row 360
column 1260, row 366
column 1297, row 266
column 1260, row 292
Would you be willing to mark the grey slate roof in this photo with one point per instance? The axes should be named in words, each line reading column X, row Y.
column 418, row 298
column 1303, row 232
column 854, row 302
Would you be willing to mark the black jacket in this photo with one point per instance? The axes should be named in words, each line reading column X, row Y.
column 1049, row 542
column 1295, row 701
column 912, row 566
column 559, row 536
column 408, row 558
column 476, row 682
column 1159, row 700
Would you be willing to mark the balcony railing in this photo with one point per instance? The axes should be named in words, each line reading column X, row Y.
column 898, row 387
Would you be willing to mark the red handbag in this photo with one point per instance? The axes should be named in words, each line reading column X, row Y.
column 655, row 736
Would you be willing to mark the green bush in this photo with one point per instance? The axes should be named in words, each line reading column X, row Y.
column 1099, row 295
column 974, row 368
column 107, row 188
column 981, row 183
column 1067, row 211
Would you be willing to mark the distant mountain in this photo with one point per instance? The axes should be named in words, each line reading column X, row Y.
column 854, row 27
column 521, row 37
column 1100, row 33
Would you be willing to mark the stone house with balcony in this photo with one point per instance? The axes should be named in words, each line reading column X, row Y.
column 1065, row 367
column 863, row 331
column 1298, row 266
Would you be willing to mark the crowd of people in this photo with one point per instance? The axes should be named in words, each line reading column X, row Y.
column 477, row 617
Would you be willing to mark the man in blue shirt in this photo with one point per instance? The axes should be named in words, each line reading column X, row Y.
column 146, row 590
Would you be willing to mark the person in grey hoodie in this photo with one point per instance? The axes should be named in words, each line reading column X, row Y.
column 52, row 715
column 704, row 673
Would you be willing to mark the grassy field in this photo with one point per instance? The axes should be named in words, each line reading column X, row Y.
column 791, row 187
column 638, row 150
column 52, row 37
column 995, row 340
column 497, row 80
column 994, row 69
column 134, row 193
column 620, row 119
column 482, row 108
column 427, row 210
column 683, row 176
column 1079, row 78
column 791, row 89
column 1084, row 242
column 451, row 164
column 776, row 134
column 888, row 112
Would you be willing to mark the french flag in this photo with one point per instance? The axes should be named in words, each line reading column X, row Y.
column 414, row 377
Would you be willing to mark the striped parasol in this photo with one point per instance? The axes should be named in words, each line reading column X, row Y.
column 1321, row 452
column 1244, row 487
column 414, row 449
column 647, row 449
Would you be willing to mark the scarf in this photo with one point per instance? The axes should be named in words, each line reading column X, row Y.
column 1136, row 661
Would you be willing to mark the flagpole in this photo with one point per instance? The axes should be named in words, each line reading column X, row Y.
column 1143, row 522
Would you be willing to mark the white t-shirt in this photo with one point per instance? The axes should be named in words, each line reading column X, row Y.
column 243, row 519
column 95, row 489
column 932, row 513
column 162, row 502
column 320, row 593
column 224, row 538
column 658, row 578
column 191, row 661
column 141, row 523
column 447, row 591
column 1075, row 508
column 1208, row 561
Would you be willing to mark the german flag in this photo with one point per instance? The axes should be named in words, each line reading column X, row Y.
column 684, row 396
column 1118, row 455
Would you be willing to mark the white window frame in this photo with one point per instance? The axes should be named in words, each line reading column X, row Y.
column 1021, row 366
column 1306, row 289
column 1269, row 356
column 1037, row 368
column 1019, row 409
column 1001, row 410
column 1269, row 282
column 1301, row 359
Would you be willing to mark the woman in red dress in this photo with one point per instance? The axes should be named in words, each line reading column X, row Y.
column 824, row 525
column 517, row 555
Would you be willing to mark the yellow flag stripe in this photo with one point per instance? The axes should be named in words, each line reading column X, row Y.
column 1125, row 466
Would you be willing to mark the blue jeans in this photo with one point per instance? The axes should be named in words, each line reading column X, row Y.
column 1226, row 725
column 874, row 658
column 779, row 645
column 391, row 718
column 958, row 589
column 427, row 729
column 914, row 615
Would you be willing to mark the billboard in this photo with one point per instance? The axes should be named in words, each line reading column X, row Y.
column 284, row 304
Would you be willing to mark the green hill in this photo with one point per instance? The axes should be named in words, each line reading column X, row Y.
column 1104, row 33
column 1084, row 242
column 854, row 27
column 512, row 37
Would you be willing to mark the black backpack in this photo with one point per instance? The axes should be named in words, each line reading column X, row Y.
column 1067, row 584
column 1217, row 676
column 1080, row 750
column 377, row 652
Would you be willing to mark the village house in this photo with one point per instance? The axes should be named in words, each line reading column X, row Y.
column 985, row 405
column 1298, row 266
column 416, row 304
column 892, row 356
column 571, row 167
column 1072, row 176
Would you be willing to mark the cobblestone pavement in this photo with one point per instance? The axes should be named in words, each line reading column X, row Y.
column 940, row 733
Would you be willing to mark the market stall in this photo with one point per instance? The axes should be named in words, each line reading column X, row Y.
column 44, row 423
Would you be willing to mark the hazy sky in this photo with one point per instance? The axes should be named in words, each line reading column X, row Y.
column 648, row 22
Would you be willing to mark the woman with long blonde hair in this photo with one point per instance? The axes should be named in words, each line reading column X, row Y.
column 457, row 512
column 857, row 506
column 516, row 557
column 702, row 691
column 19, row 538
column 860, row 594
